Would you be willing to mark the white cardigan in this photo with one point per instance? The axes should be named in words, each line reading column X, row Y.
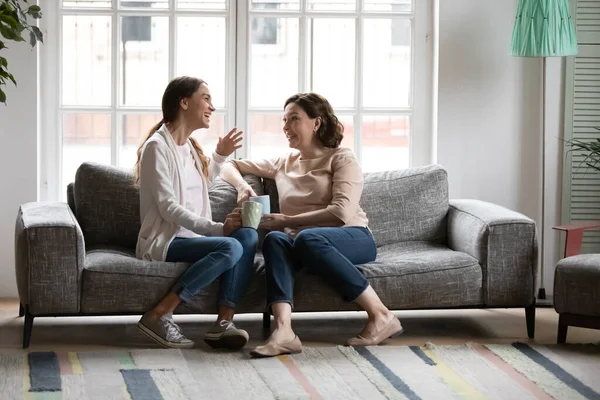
column 162, row 197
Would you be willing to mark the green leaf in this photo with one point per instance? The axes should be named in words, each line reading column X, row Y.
column 10, row 34
column 38, row 34
column 32, row 39
column 2, row 97
column 12, row 78
column 3, row 62
column 2, row 45
column 10, row 21
column 34, row 8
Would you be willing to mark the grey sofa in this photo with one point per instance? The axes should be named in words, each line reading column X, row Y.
column 78, row 258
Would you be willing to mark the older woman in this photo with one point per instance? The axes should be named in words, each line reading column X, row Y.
column 321, row 226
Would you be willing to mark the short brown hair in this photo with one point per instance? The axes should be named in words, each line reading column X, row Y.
column 331, row 130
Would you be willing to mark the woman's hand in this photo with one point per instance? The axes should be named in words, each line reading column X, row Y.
column 244, row 193
column 229, row 143
column 274, row 222
column 233, row 222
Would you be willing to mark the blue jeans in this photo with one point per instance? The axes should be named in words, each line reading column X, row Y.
column 331, row 253
column 231, row 258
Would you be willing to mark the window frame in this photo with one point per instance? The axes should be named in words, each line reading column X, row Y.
column 237, row 85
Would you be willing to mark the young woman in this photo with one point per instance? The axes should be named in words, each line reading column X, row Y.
column 321, row 226
column 173, row 175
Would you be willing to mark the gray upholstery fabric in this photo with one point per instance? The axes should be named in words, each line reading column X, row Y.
column 115, row 281
column 577, row 285
column 107, row 205
column 223, row 196
column 505, row 244
column 407, row 205
column 49, row 257
column 71, row 198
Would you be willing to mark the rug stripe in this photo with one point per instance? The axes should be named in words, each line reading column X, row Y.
column 417, row 373
column 73, row 387
column 384, row 385
column 140, row 384
column 75, row 364
column 419, row 352
column 44, row 372
column 64, row 363
column 126, row 360
column 168, row 384
column 453, row 379
column 519, row 378
column 296, row 373
column 560, row 373
column 534, row 372
column 387, row 373
column 353, row 378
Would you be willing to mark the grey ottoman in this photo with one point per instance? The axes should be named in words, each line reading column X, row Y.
column 577, row 293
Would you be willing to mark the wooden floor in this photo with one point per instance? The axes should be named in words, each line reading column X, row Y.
column 314, row 329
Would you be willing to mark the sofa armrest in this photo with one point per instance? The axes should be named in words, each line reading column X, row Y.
column 49, row 258
column 505, row 244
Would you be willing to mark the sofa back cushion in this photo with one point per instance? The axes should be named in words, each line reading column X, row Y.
column 107, row 204
column 407, row 205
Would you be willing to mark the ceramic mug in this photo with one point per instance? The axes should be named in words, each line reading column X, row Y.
column 265, row 201
column 251, row 214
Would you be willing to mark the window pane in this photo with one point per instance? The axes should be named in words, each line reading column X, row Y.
column 275, row 4
column 348, row 122
column 208, row 138
column 387, row 66
column 86, row 137
column 134, row 129
column 385, row 143
column 194, row 63
column 333, row 66
column 388, row 5
column 273, row 60
column 86, row 60
column 267, row 139
column 160, row 4
column 144, row 59
column 332, row 5
column 87, row 3
column 202, row 4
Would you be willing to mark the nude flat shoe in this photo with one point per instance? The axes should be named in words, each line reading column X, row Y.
column 294, row 346
column 393, row 328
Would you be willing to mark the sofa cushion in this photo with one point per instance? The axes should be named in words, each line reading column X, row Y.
column 407, row 205
column 410, row 275
column 107, row 204
column 115, row 281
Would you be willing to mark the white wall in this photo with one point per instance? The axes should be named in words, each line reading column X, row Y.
column 18, row 154
column 489, row 114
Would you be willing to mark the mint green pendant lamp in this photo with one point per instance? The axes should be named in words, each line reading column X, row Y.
column 543, row 28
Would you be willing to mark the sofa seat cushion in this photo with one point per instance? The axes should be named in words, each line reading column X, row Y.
column 408, row 275
column 117, row 282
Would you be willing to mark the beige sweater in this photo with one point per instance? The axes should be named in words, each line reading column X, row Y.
column 333, row 181
column 163, row 197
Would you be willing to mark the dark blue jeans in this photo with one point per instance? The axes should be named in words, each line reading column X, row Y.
column 231, row 258
column 331, row 253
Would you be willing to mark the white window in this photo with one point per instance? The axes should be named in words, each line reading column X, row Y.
column 104, row 76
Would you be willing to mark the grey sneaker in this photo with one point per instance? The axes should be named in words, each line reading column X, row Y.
column 164, row 332
column 225, row 335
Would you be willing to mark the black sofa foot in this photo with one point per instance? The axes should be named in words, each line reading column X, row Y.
column 27, row 328
column 21, row 310
column 266, row 321
column 530, row 319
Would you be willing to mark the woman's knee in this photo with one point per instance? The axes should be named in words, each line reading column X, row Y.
column 248, row 238
column 275, row 238
column 231, row 248
column 310, row 240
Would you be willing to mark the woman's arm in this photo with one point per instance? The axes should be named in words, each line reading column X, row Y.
column 276, row 222
column 233, row 170
column 215, row 165
column 154, row 174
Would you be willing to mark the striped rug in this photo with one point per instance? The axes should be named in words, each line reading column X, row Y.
column 470, row 371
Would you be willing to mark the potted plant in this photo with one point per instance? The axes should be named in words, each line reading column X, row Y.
column 14, row 23
column 590, row 149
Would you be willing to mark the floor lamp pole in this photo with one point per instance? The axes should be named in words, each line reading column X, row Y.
column 542, row 290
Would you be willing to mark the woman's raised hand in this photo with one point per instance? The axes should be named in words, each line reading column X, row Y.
column 229, row 143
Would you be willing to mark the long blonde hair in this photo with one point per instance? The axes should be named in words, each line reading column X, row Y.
column 179, row 88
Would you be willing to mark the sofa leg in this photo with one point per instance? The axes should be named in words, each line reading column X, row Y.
column 21, row 310
column 266, row 321
column 561, row 336
column 530, row 319
column 27, row 328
